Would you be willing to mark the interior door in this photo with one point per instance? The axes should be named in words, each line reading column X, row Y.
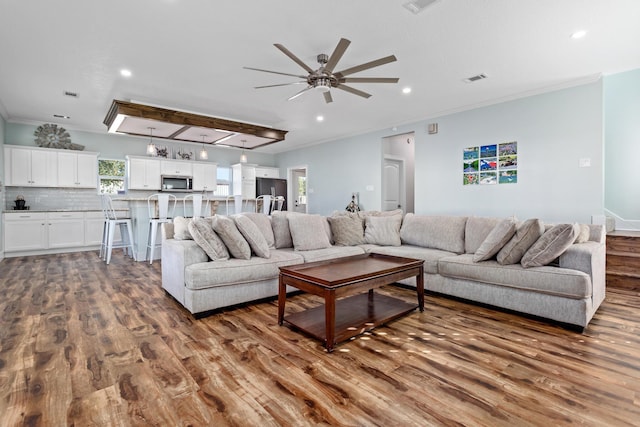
column 392, row 184
column 299, row 190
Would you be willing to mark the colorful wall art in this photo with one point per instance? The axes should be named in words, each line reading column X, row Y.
column 490, row 164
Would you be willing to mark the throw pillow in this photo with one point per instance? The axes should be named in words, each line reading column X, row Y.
column 264, row 225
column 308, row 232
column 281, row 231
column 347, row 230
column 253, row 236
column 383, row 230
column 181, row 228
column 526, row 235
column 584, row 234
column 226, row 228
column 551, row 245
column 497, row 238
column 207, row 239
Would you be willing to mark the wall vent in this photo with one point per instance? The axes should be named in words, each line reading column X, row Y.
column 475, row 78
column 417, row 6
column 71, row 94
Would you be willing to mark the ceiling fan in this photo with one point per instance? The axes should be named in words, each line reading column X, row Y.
column 324, row 78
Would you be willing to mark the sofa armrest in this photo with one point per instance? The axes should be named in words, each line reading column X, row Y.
column 590, row 258
column 176, row 256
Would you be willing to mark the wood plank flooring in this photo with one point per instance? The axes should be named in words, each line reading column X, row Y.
column 86, row 344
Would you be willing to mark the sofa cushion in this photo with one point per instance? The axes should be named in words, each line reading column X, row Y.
column 327, row 253
column 476, row 231
column 557, row 281
column 181, row 228
column 204, row 235
column 551, row 245
column 252, row 235
column 308, row 232
column 234, row 271
column 437, row 232
column 526, row 235
column 430, row 256
column 347, row 230
column 383, row 230
column 264, row 225
column 499, row 236
column 226, row 228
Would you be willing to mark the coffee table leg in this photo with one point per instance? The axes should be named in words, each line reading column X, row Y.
column 282, row 298
column 330, row 319
column 420, row 288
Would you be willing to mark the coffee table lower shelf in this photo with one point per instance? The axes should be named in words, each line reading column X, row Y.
column 354, row 315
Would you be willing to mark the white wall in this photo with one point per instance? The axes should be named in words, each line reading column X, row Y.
column 622, row 148
column 2, row 182
column 553, row 130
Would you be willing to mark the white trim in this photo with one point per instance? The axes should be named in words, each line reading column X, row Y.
column 623, row 224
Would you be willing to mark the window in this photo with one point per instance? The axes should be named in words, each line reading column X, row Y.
column 111, row 175
column 223, row 178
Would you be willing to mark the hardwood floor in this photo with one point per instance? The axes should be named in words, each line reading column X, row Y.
column 86, row 344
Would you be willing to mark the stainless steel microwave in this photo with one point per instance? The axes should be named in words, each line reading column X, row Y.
column 176, row 183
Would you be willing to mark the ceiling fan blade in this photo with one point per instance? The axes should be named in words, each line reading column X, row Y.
column 327, row 97
column 281, row 84
column 275, row 72
column 368, row 80
column 300, row 93
column 342, row 45
column 293, row 57
column 354, row 91
column 362, row 67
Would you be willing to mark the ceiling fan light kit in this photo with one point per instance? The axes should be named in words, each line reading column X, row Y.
column 324, row 79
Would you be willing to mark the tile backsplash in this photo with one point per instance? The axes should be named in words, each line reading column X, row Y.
column 43, row 199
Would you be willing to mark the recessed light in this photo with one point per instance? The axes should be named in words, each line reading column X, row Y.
column 578, row 34
column 320, row 118
column 125, row 73
column 406, row 90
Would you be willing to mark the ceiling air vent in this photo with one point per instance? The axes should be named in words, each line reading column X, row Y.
column 71, row 94
column 417, row 6
column 475, row 78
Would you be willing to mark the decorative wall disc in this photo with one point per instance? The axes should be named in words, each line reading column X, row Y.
column 52, row 136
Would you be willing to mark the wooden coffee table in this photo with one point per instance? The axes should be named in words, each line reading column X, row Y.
column 348, row 310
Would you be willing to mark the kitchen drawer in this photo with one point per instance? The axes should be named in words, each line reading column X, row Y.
column 66, row 215
column 24, row 215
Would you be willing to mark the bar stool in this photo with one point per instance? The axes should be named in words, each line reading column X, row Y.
column 111, row 221
column 278, row 203
column 166, row 206
column 197, row 201
column 237, row 204
column 264, row 202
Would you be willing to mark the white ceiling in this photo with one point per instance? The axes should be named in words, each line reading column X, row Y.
column 189, row 54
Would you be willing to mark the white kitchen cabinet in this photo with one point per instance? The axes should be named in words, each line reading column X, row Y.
column 77, row 170
column 267, row 172
column 176, row 167
column 204, row 176
column 25, row 231
column 65, row 229
column 244, row 180
column 30, row 167
column 143, row 173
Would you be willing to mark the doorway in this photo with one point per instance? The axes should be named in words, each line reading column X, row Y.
column 398, row 172
column 393, row 192
column 297, row 189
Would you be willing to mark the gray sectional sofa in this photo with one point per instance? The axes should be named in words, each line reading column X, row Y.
column 474, row 258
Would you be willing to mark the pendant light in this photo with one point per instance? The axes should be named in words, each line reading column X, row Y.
column 151, row 148
column 203, row 153
column 243, row 157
